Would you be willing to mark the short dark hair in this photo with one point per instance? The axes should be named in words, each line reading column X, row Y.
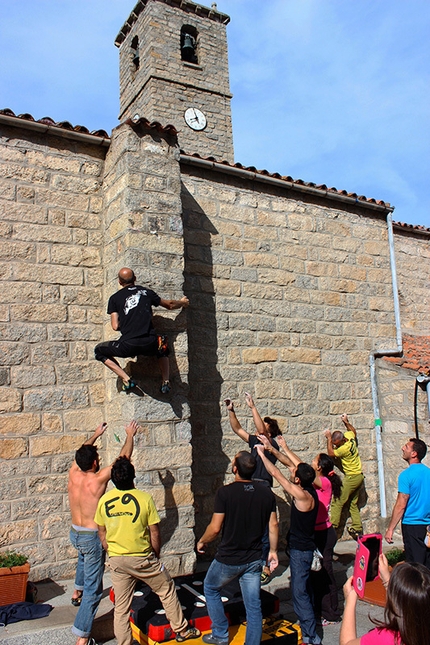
column 245, row 463
column 408, row 600
column 420, row 447
column 85, row 456
column 306, row 474
column 273, row 426
column 337, row 436
column 123, row 473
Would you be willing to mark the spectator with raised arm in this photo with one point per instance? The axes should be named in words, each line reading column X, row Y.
column 326, row 484
column 268, row 428
column 301, row 540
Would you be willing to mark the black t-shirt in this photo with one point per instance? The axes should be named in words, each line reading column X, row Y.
column 302, row 525
column 260, row 471
column 133, row 305
column 247, row 507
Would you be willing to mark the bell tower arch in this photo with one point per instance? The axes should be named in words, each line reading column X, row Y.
column 174, row 69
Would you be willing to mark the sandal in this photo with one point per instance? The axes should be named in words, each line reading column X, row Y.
column 165, row 387
column 192, row 632
column 76, row 601
column 127, row 387
column 264, row 578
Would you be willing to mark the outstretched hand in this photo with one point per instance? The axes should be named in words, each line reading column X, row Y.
column 280, row 440
column 259, row 448
column 132, row 428
column 249, row 400
column 344, row 418
column 100, row 429
column 184, row 302
column 264, row 440
column 229, row 404
column 327, row 433
column 200, row 547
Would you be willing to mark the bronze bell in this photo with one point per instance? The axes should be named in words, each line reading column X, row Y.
column 188, row 47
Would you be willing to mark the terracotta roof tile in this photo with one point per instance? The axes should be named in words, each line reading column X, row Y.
column 298, row 182
column 171, row 130
column 416, row 354
column 64, row 125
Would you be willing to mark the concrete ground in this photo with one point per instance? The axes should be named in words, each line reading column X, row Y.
column 55, row 629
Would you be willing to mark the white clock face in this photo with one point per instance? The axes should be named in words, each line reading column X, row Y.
column 195, row 119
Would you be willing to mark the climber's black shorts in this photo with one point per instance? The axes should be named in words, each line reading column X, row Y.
column 152, row 345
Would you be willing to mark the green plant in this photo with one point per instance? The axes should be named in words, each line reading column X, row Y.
column 12, row 559
column 394, row 556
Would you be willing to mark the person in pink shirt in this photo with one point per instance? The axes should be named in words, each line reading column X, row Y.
column 327, row 484
column 406, row 620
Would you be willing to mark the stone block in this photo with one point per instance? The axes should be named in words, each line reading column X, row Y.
column 38, row 313
column 51, row 398
column 300, row 355
column 52, row 423
column 37, row 505
column 13, row 448
column 13, row 534
column 10, row 400
column 259, row 355
column 12, row 353
column 28, row 376
column 50, row 445
column 24, row 424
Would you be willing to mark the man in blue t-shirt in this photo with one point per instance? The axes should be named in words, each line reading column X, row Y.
column 412, row 506
column 130, row 311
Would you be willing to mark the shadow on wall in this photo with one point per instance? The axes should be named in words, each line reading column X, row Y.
column 146, row 371
column 209, row 461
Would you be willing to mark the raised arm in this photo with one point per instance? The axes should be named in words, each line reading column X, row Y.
column 330, row 451
column 284, row 459
column 258, row 421
column 295, row 460
column 130, row 431
column 234, row 422
column 175, row 304
column 97, row 433
column 347, row 424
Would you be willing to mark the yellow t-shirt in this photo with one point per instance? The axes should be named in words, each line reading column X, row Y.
column 348, row 454
column 126, row 515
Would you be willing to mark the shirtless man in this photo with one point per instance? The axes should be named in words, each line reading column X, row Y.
column 87, row 483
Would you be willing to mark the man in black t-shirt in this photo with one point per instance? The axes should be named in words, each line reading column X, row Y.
column 242, row 511
column 268, row 428
column 130, row 311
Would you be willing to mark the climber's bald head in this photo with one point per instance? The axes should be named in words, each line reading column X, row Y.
column 126, row 276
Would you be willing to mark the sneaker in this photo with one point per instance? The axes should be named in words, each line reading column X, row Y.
column 91, row 641
column 192, row 632
column 127, row 387
column 210, row 638
column 165, row 387
column 325, row 623
column 353, row 533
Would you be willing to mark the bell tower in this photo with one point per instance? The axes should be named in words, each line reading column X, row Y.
column 174, row 69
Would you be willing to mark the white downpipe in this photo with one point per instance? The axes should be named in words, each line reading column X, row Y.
column 379, row 354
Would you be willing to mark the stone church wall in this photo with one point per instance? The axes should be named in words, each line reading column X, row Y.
column 51, row 393
column 289, row 297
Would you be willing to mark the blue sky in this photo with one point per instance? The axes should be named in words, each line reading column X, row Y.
column 328, row 91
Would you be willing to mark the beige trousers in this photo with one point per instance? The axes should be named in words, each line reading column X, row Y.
column 125, row 571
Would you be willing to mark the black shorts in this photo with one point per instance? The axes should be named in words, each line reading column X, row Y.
column 151, row 345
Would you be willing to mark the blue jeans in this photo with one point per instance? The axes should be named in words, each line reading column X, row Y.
column 300, row 565
column 249, row 576
column 89, row 578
